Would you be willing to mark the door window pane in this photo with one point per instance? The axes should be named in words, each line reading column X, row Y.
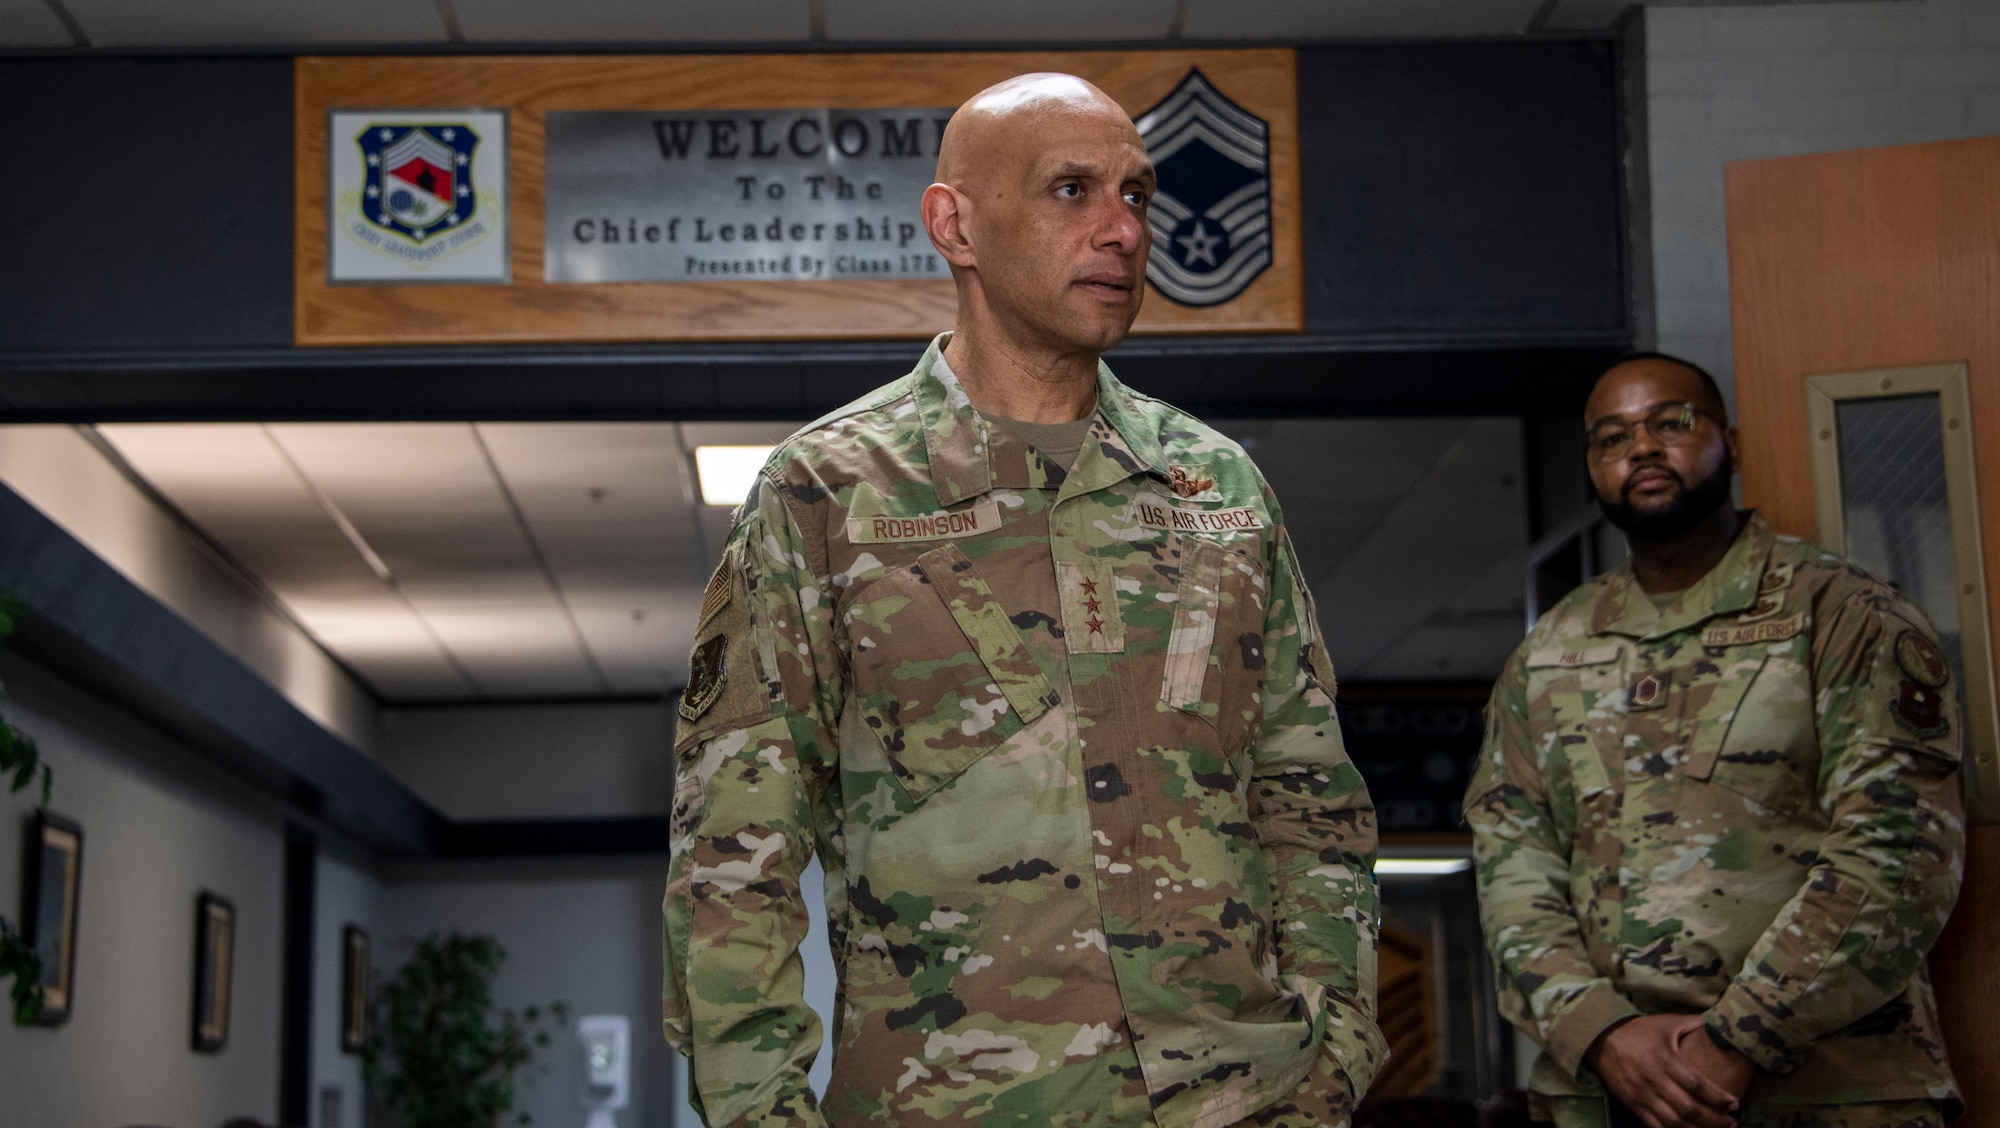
column 1894, row 507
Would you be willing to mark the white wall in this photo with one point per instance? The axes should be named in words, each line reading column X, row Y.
column 60, row 473
column 534, row 761
column 346, row 891
column 160, row 825
column 1732, row 83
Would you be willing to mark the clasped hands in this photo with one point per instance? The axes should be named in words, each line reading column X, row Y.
column 1671, row 1073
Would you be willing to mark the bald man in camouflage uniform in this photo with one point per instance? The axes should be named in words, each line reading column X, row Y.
column 1025, row 657
column 1718, row 817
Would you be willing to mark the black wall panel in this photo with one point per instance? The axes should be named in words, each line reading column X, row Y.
column 1463, row 239
column 1462, row 189
column 147, row 203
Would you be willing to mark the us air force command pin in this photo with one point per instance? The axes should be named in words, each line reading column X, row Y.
column 1211, row 214
column 1186, row 483
column 1776, row 578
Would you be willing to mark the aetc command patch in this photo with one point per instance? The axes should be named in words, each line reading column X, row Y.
column 708, row 671
column 1919, row 704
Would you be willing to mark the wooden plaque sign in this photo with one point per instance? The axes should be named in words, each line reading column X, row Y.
column 740, row 197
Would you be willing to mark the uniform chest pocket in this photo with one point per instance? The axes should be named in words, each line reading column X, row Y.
column 1754, row 732
column 1215, row 647
column 941, row 675
column 1576, row 693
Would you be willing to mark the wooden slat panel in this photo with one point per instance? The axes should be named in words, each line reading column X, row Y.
column 528, row 309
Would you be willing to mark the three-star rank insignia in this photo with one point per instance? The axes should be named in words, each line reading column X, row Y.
column 1211, row 213
column 1919, row 704
column 1092, row 622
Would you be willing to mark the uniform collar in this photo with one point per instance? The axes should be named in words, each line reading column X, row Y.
column 1624, row 608
column 967, row 459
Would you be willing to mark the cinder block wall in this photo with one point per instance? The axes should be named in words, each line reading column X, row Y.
column 1728, row 84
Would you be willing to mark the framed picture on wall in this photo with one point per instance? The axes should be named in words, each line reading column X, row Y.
column 214, row 946
column 354, row 990
column 48, row 910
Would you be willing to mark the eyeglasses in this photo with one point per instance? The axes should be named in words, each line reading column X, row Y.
column 1670, row 424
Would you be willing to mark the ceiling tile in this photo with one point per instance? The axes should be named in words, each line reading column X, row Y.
column 1585, row 15
column 604, row 501
column 422, row 496
column 388, row 646
column 646, row 653
column 1356, row 19
column 234, row 484
column 1031, row 20
column 632, row 21
column 31, row 23
column 1456, row 524
column 225, row 23
column 516, row 649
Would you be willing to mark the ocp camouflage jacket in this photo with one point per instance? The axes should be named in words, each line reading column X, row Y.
column 1745, row 805
column 1066, row 749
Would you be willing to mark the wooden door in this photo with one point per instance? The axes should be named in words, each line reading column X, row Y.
column 1882, row 259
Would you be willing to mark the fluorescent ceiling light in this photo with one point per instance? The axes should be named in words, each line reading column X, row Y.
column 1421, row 867
column 726, row 472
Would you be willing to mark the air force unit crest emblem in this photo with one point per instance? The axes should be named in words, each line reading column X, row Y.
column 417, row 195
column 1211, row 214
column 419, row 178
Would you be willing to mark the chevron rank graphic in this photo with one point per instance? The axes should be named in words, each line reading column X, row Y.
column 1211, row 215
column 417, row 196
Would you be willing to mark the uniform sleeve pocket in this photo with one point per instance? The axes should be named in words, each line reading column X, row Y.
column 941, row 675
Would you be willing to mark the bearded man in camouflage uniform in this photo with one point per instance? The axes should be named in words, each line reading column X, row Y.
column 1717, row 816
column 1026, row 658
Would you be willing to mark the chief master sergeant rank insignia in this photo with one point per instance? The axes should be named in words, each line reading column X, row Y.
column 1211, row 215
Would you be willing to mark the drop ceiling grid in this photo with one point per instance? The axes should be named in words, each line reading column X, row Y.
column 425, row 499
column 1329, row 19
column 234, row 484
column 899, row 20
column 220, row 23
column 607, row 502
column 632, row 21
column 1412, row 539
column 31, row 23
column 645, row 24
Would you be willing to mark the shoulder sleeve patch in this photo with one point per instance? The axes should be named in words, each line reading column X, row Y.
column 1921, row 659
column 724, row 689
column 716, row 596
column 708, row 672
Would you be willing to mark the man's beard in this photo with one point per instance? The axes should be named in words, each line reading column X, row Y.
column 1688, row 508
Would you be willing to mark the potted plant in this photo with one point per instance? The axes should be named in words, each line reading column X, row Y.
column 20, row 763
column 439, row 1054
